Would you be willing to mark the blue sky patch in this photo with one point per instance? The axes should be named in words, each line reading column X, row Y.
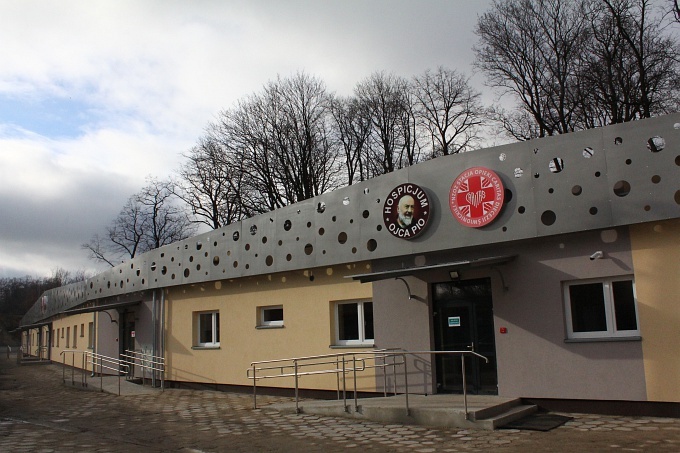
column 51, row 117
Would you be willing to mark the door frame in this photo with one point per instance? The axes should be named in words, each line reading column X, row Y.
column 481, row 378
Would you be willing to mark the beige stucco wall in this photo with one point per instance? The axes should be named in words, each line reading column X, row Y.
column 81, row 323
column 656, row 258
column 307, row 298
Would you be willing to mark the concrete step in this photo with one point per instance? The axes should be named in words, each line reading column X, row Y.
column 495, row 409
column 34, row 361
column 509, row 416
column 485, row 412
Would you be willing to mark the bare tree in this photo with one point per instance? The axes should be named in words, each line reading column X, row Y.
column 530, row 49
column 390, row 105
column 579, row 64
column 654, row 55
column 449, row 109
column 149, row 219
column 282, row 141
column 209, row 184
column 353, row 129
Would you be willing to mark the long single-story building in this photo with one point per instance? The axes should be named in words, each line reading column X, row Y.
column 556, row 259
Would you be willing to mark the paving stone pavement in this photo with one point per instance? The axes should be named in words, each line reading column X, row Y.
column 39, row 413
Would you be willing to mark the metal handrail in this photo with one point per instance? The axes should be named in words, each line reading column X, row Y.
column 98, row 361
column 374, row 354
column 146, row 362
column 296, row 365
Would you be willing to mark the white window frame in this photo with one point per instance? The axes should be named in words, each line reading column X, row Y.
column 262, row 322
column 362, row 341
column 214, row 320
column 610, row 314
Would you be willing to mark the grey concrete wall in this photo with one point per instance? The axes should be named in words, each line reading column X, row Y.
column 534, row 360
column 107, row 334
column 403, row 323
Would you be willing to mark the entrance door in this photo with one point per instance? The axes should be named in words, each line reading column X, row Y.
column 463, row 321
column 127, row 335
column 127, row 331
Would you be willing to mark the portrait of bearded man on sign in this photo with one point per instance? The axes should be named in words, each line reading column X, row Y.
column 405, row 211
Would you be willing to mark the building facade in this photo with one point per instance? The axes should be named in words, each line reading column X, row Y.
column 557, row 259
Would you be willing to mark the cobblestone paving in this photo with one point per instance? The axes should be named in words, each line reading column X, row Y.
column 38, row 413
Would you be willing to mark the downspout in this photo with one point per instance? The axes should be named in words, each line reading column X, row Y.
column 154, row 347
column 162, row 325
column 94, row 340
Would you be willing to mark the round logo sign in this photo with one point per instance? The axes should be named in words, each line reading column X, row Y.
column 406, row 211
column 476, row 197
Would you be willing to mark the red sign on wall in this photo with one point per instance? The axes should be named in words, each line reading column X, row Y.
column 476, row 197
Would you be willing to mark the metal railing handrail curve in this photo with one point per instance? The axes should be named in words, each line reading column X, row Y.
column 296, row 363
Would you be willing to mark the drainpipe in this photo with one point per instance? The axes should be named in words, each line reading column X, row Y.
column 162, row 325
column 94, row 339
column 154, row 347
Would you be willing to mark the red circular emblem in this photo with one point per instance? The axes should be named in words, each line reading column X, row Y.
column 476, row 197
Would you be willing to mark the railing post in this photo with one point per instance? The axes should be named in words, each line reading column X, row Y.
column 408, row 409
column 354, row 367
column 101, row 375
column 83, row 362
column 63, row 368
column 73, row 368
column 254, row 388
column 462, row 366
column 337, row 377
column 394, row 374
column 297, row 399
column 344, row 385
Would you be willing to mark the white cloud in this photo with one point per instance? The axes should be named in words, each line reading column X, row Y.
column 141, row 79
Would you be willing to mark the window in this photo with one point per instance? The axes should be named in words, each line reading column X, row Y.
column 75, row 336
column 82, row 330
column 68, row 335
column 354, row 323
column 208, row 329
column 601, row 309
column 271, row 316
column 90, row 335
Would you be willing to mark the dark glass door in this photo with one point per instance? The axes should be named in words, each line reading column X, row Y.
column 463, row 321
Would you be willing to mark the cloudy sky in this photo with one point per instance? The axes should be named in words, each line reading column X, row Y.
column 97, row 95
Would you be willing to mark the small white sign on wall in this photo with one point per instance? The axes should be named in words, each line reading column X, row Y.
column 454, row 321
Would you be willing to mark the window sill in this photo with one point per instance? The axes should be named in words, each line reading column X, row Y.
column 601, row 339
column 204, row 347
column 269, row 327
column 352, row 346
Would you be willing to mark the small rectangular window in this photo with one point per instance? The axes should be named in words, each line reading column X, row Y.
column 207, row 329
column 90, row 335
column 271, row 316
column 68, row 336
column 75, row 336
column 354, row 323
column 82, row 330
column 601, row 308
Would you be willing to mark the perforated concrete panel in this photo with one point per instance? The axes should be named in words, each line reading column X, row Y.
column 618, row 175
